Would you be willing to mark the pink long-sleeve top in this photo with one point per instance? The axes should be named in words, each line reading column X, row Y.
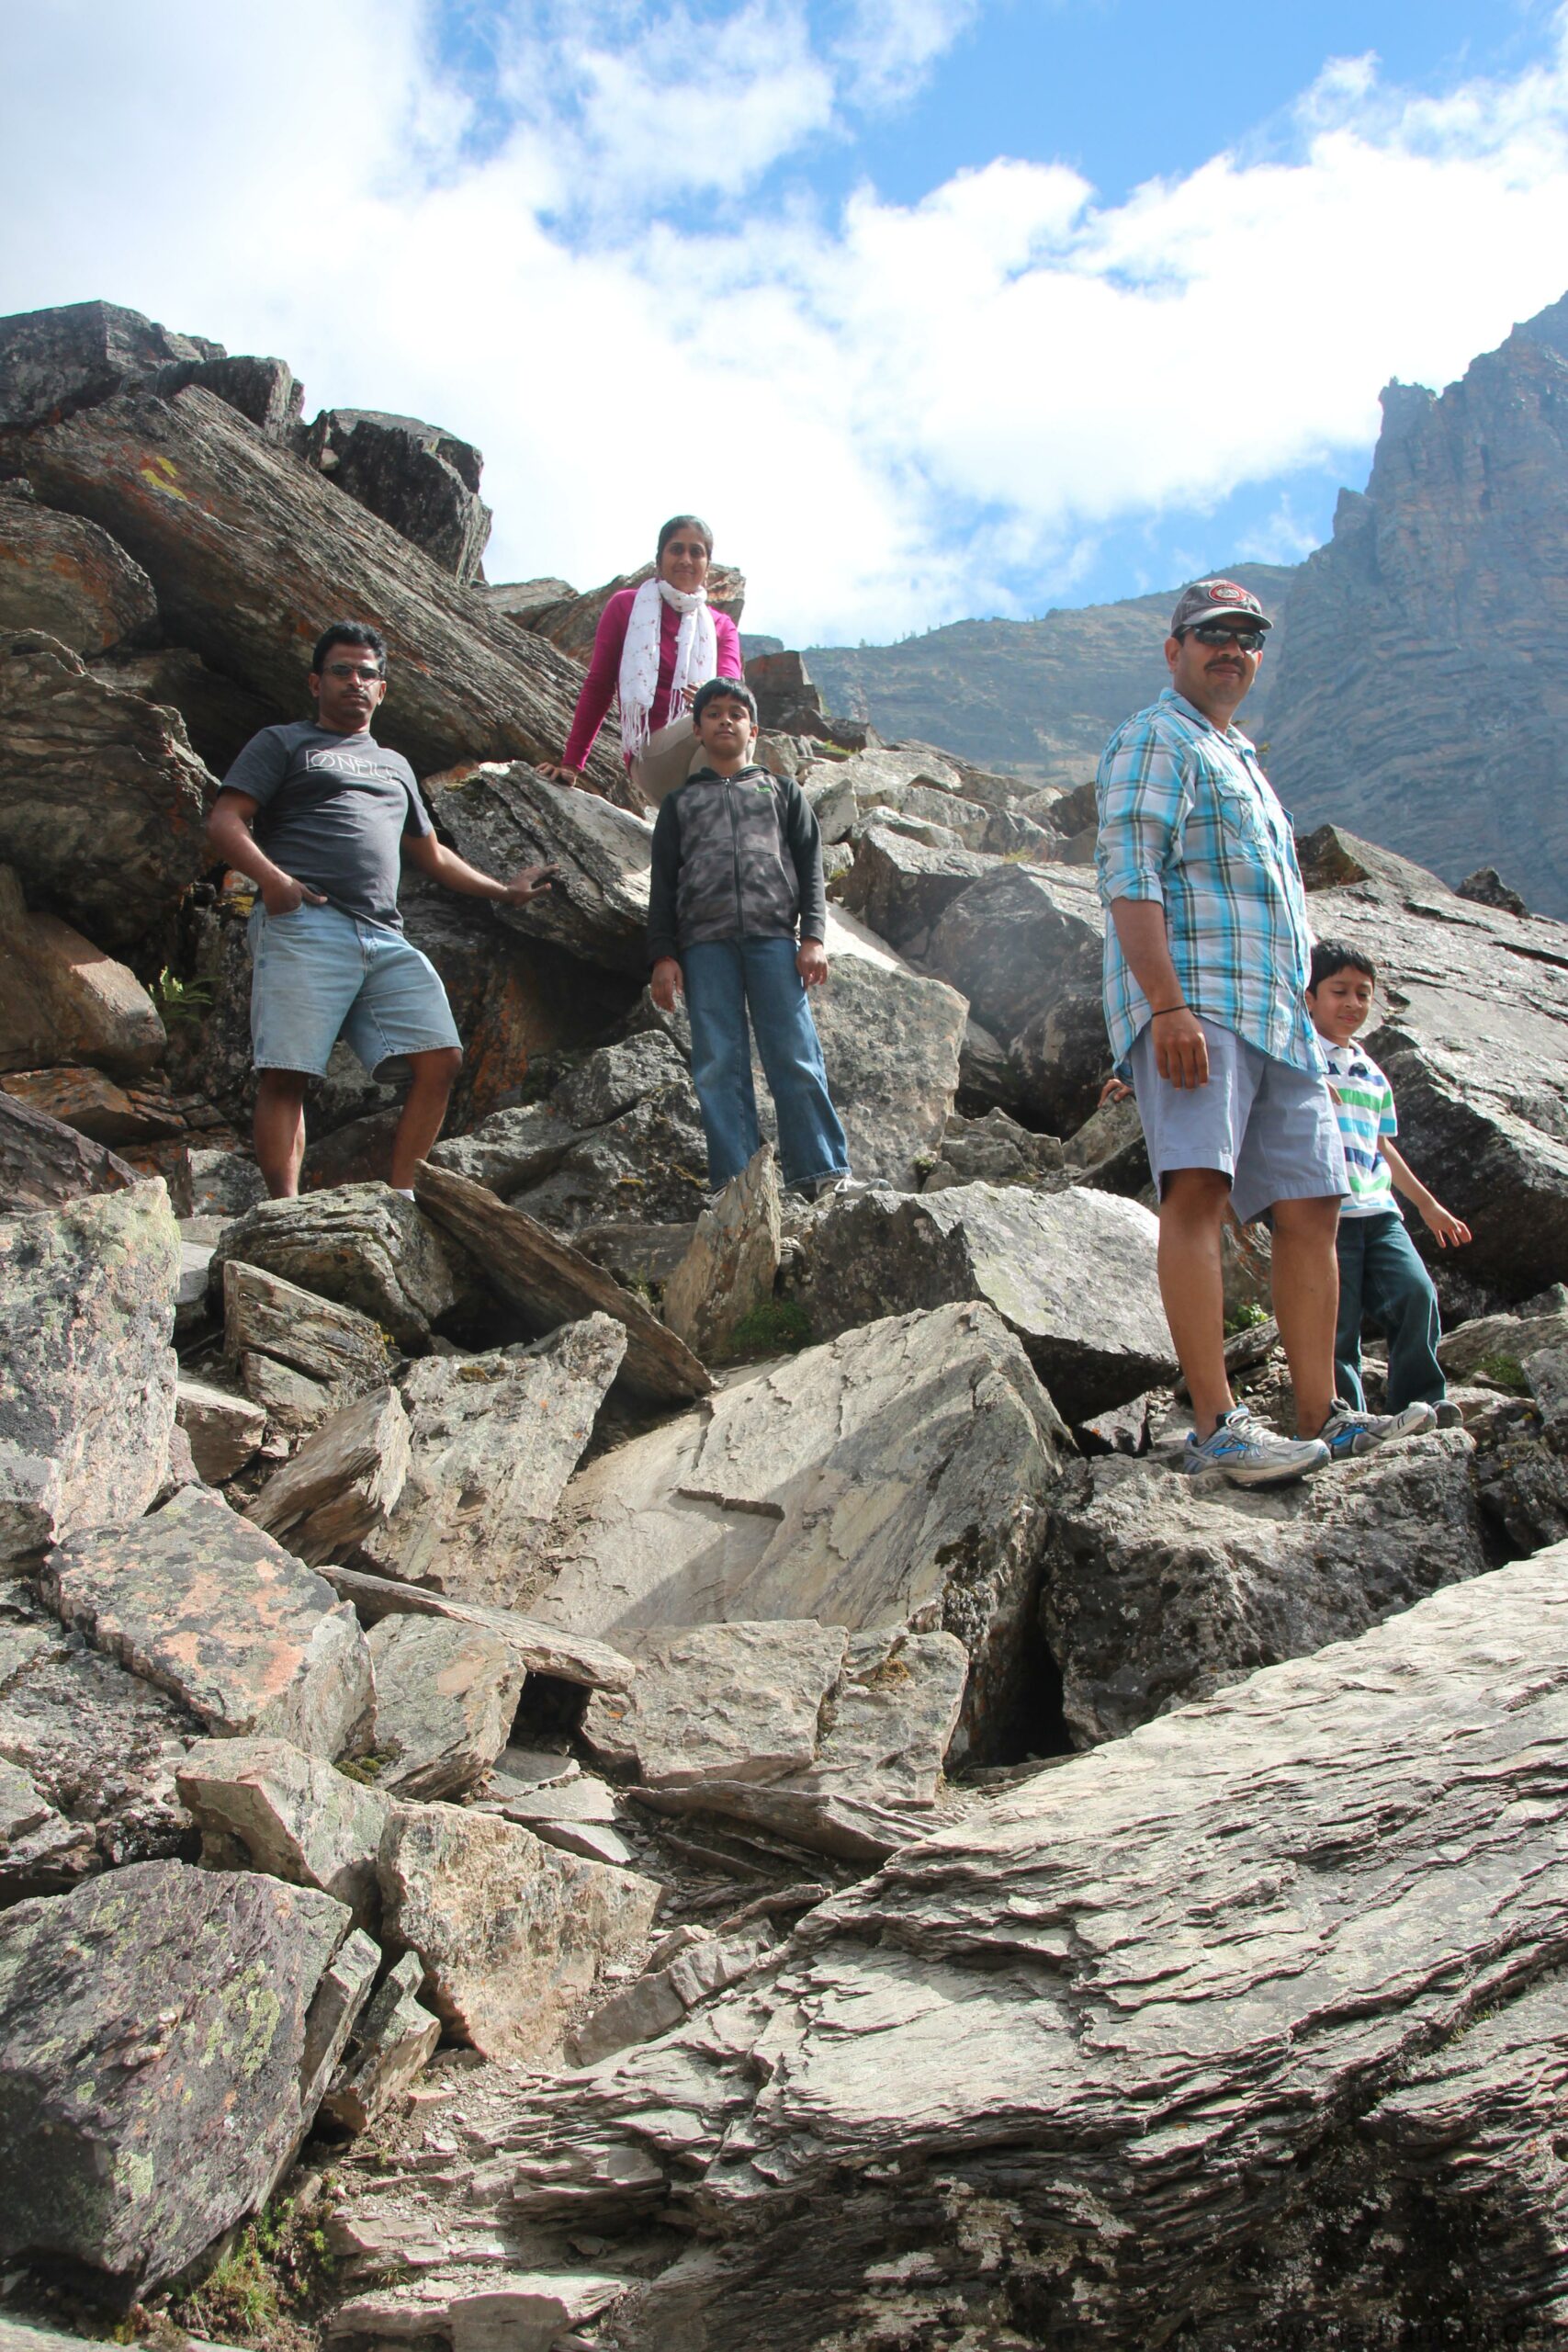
column 605, row 669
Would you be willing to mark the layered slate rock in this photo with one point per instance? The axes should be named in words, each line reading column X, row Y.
column 503, row 817
column 54, row 362
column 1153, row 2040
column 86, row 1368
column 901, row 888
column 343, row 1484
column 1026, row 946
column 224, row 1430
column 516, row 1147
column 895, row 1479
column 446, row 1696
column 44, row 1163
column 248, row 549
column 393, row 2041
column 891, row 1042
column 90, row 1754
column 492, row 1440
column 510, row 1931
column 546, row 1283
column 728, row 1269
column 1095, row 1341
column 1159, row 1588
column 102, row 800
column 208, row 1608
column 740, row 1701
column 421, row 479
column 165, row 2037
column 290, row 1815
column 66, row 577
column 298, row 1355
column 360, row 1245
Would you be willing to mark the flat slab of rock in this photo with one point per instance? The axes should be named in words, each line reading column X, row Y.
column 208, row 1608
column 165, row 2042
column 730, row 1265
column 737, row 1701
column 87, row 1369
column 891, row 1042
column 1160, row 1589
column 895, row 1477
column 901, row 888
column 360, row 1245
column 294, row 1816
column 547, row 1283
column 501, row 817
column 298, row 1355
column 44, row 1163
column 96, row 1749
column 224, row 1430
column 1295, row 1943
column 102, row 800
column 543, row 1649
column 491, row 1442
column 343, row 1484
column 1488, row 1338
column 66, row 1001
column 510, row 1931
column 446, row 1695
column 1072, row 1273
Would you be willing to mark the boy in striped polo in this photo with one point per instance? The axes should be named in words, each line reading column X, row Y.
column 1380, row 1273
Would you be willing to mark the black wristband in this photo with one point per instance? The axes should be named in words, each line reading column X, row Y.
column 1157, row 1012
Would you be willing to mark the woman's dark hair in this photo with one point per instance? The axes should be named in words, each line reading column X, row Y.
column 1331, row 955
column 349, row 633
column 683, row 523
column 716, row 688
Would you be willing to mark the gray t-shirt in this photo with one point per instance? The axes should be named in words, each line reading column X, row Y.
column 332, row 810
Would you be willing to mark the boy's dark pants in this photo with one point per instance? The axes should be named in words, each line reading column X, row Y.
column 1382, row 1276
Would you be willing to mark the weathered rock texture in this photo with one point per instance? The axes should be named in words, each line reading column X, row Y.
column 247, row 549
column 67, row 578
column 294, row 1816
column 87, row 1370
column 44, row 1163
column 1447, row 575
column 166, row 2036
column 729, row 1268
column 1026, row 946
column 360, row 1245
column 298, row 1354
column 503, row 817
column 1183, row 2035
column 65, row 1000
column 423, row 482
column 444, row 1698
column 894, row 1477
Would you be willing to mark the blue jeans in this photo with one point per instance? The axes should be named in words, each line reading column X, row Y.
column 725, row 979
column 1382, row 1276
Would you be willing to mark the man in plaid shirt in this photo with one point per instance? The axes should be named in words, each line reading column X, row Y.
column 1206, row 961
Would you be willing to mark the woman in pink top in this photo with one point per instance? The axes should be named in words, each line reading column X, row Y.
column 654, row 647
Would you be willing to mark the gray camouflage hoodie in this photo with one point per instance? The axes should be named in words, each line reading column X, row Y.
column 734, row 857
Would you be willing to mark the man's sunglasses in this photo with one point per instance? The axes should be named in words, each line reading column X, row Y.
column 1215, row 633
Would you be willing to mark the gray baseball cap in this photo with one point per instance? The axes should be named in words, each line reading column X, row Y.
column 1213, row 599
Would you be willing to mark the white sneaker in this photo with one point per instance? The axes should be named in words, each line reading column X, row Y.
column 1251, row 1455
column 1347, row 1432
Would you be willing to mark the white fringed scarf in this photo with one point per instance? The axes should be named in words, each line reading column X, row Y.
column 696, row 656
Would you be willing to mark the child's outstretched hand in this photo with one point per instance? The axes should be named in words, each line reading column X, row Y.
column 1450, row 1230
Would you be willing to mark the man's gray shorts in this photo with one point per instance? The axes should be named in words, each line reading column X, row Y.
column 1270, row 1128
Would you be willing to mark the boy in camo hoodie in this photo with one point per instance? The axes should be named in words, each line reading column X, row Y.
column 735, row 919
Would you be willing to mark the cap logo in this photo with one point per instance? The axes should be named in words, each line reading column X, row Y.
column 1228, row 588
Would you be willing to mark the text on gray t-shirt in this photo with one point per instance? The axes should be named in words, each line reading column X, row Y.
column 332, row 810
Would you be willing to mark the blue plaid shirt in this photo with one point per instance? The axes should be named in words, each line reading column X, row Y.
column 1188, row 817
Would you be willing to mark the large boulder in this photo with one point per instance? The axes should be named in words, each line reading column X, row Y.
column 501, row 817
column 86, row 1368
column 102, row 800
column 1072, row 1273
column 166, row 2038
column 208, row 1608
column 891, row 1042
column 510, row 1931
column 1159, row 1588
column 492, row 1440
column 901, row 888
column 1026, row 945
column 895, row 1477
column 422, row 481
column 65, row 1000
column 54, row 362
column 252, row 553
column 1246, row 2030
column 66, row 577
column 290, row 1815
column 516, row 1147
column 362, row 1246
column 96, row 1747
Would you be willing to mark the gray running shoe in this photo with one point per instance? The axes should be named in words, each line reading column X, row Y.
column 1448, row 1415
column 1251, row 1455
column 1347, row 1432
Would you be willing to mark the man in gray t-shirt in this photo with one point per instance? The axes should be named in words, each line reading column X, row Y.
column 319, row 816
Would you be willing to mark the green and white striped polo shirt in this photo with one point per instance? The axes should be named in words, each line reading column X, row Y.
column 1365, row 1105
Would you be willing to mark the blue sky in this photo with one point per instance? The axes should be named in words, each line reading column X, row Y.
column 952, row 307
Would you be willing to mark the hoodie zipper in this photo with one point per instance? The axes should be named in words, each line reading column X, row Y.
column 735, row 850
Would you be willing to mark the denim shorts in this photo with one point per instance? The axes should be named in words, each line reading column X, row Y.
column 1270, row 1128
column 318, row 975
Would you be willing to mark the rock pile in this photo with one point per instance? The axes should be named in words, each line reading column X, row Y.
column 643, row 1740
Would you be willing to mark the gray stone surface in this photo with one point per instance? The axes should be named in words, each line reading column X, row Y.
column 224, row 1429
column 423, row 482
column 890, row 1040
column 342, row 1485
column 517, row 1147
column 492, row 1440
column 510, row 1932
column 1159, row 1588
column 1072, row 1273
column 86, row 1370
column 504, row 817
column 64, row 576
column 209, row 1609
column 299, row 1356
column 1025, row 946
column 446, row 1696
column 736, row 1702
column 993, row 1150
column 294, row 1816
column 394, row 2040
column 730, row 1266
column 359, row 1245
column 901, row 887
column 1511, row 1338
column 163, row 2050
column 1247, row 2026
column 894, row 1477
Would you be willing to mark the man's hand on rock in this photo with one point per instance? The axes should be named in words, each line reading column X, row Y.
column 528, row 882
column 282, row 896
column 1181, row 1052
column 811, row 962
column 664, row 983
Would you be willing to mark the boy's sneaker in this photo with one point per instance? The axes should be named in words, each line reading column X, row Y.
column 1347, row 1433
column 1251, row 1455
column 1448, row 1415
column 833, row 1188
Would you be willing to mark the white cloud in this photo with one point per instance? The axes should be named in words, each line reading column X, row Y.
column 894, row 415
